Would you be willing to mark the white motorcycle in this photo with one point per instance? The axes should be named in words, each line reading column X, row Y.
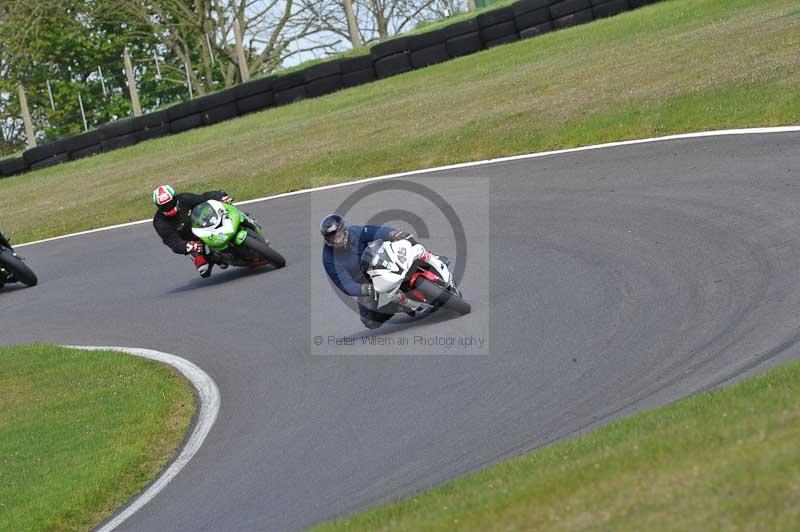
column 407, row 276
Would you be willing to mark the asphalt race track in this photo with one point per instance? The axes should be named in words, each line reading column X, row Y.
column 604, row 282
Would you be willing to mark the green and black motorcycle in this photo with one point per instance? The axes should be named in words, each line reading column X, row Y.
column 12, row 267
column 232, row 237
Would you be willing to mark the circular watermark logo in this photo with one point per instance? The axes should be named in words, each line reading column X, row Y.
column 405, row 190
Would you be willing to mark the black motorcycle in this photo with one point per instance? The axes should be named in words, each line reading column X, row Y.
column 12, row 267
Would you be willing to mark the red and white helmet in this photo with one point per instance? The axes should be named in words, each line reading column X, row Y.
column 164, row 198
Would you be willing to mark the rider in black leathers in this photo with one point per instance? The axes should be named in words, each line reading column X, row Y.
column 173, row 223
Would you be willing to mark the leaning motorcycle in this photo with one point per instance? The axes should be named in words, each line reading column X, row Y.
column 13, row 268
column 232, row 237
column 402, row 283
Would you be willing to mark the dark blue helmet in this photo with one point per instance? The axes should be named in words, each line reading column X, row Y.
column 334, row 230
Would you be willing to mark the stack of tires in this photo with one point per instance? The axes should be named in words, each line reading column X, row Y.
column 390, row 58
column 532, row 17
column 203, row 111
column 498, row 27
column 46, row 155
column 609, row 8
column 356, row 71
column 254, row 95
column 463, row 38
column 12, row 166
column 566, row 13
column 323, row 78
column 218, row 107
column 120, row 134
column 127, row 132
column 289, row 88
column 428, row 48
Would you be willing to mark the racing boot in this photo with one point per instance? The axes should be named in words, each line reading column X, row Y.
column 203, row 266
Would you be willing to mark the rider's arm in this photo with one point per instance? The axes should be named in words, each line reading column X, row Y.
column 402, row 235
column 4, row 241
column 191, row 200
column 169, row 235
column 214, row 194
column 376, row 232
column 340, row 276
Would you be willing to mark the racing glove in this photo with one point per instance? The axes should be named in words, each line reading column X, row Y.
column 227, row 199
column 367, row 290
column 403, row 235
column 194, row 247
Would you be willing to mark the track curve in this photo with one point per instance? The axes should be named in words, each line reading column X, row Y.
column 621, row 279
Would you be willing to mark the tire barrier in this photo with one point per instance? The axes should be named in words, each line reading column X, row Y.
column 390, row 58
column 429, row 56
column 573, row 19
column 466, row 44
column 564, row 8
column 254, row 95
column 323, row 78
column 606, row 8
column 122, row 141
column 289, row 88
column 536, row 30
column 12, row 166
column 88, row 151
column 186, row 122
column 51, row 161
column 521, row 20
column 356, row 71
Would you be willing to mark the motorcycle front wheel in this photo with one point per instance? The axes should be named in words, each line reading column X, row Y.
column 441, row 298
column 19, row 269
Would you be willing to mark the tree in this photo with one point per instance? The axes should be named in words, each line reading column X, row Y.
column 200, row 33
column 379, row 19
column 68, row 46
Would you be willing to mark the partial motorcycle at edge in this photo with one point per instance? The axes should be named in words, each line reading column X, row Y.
column 12, row 266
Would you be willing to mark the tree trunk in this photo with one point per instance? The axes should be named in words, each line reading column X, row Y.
column 207, row 68
column 26, row 117
column 240, row 58
column 352, row 25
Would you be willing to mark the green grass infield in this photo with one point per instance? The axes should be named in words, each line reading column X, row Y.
column 81, row 432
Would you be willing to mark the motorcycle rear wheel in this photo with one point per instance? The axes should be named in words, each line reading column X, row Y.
column 441, row 298
column 262, row 249
column 21, row 271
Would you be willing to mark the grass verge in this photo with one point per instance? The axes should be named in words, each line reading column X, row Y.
column 81, row 432
column 675, row 66
column 724, row 460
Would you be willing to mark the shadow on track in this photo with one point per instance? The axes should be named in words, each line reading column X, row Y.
column 402, row 322
column 223, row 276
column 13, row 287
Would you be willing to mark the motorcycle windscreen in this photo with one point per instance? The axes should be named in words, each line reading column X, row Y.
column 376, row 257
column 205, row 215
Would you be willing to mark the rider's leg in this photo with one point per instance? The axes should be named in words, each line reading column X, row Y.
column 372, row 319
column 202, row 264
